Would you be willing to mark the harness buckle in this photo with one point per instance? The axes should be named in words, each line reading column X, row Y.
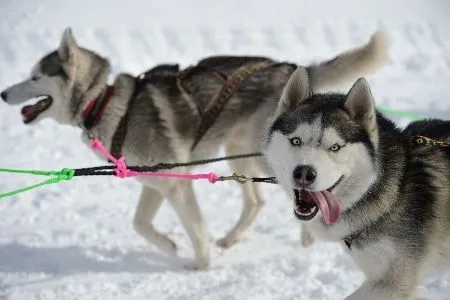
column 235, row 177
column 90, row 135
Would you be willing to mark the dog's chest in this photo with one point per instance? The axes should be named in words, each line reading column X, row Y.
column 438, row 258
column 335, row 232
column 375, row 257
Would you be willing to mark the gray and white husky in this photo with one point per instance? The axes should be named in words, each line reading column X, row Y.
column 383, row 197
column 164, row 114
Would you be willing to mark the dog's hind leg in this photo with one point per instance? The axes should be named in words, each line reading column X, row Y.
column 252, row 200
column 182, row 197
column 148, row 206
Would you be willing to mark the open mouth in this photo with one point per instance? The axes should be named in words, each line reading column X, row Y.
column 305, row 209
column 31, row 112
column 308, row 204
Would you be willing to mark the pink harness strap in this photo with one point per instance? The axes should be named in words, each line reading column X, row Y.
column 122, row 170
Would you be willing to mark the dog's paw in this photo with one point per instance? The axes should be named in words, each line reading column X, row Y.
column 197, row 266
column 226, row 243
column 167, row 246
column 173, row 249
column 306, row 238
column 307, row 241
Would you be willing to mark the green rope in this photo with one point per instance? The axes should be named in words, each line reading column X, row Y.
column 58, row 176
column 400, row 113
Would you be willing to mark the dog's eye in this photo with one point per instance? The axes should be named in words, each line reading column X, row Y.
column 35, row 78
column 295, row 141
column 335, row 147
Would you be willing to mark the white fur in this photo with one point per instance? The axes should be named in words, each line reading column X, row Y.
column 375, row 260
column 313, row 152
column 41, row 85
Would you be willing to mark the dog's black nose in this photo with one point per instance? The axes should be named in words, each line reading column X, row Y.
column 3, row 95
column 304, row 175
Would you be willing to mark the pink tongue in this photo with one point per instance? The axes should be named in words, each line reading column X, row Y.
column 328, row 205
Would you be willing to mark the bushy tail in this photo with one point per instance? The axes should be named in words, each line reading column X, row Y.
column 350, row 65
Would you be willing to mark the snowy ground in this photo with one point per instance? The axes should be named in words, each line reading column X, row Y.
column 75, row 240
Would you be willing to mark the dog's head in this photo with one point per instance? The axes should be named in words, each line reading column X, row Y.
column 58, row 82
column 322, row 147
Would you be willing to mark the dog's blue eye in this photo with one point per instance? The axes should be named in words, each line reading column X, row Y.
column 335, row 147
column 296, row 141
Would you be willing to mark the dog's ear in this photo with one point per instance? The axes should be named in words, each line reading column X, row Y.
column 361, row 106
column 297, row 90
column 67, row 47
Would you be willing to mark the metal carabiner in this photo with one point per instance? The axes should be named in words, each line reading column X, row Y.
column 235, row 177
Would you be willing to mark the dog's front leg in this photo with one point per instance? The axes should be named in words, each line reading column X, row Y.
column 149, row 203
column 251, row 207
column 391, row 270
column 183, row 200
column 252, row 200
column 398, row 281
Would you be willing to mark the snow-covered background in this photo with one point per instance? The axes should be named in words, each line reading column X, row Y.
column 75, row 240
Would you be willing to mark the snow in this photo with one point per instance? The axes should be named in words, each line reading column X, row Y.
column 75, row 240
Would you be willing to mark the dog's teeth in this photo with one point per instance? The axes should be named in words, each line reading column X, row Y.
column 302, row 212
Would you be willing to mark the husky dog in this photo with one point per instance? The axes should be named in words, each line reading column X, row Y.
column 383, row 197
column 164, row 114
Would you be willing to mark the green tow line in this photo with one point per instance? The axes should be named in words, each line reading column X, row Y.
column 400, row 113
column 57, row 176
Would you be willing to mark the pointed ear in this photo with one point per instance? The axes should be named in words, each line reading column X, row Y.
column 361, row 107
column 67, row 47
column 295, row 92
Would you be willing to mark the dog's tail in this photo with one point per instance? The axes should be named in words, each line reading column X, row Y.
column 350, row 65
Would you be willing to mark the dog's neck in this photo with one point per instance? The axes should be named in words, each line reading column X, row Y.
column 85, row 91
column 364, row 216
column 96, row 107
column 117, row 106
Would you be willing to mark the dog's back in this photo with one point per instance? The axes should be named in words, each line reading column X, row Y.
column 433, row 128
column 429, row 149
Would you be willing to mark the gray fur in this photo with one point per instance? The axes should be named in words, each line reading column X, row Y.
column 164, row 115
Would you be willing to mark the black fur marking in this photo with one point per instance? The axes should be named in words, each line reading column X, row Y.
column 51, row 65
column 432, row 128
column 318, row 104
column 407, row 183
column 331, row 108
column 161, row 70
column 420, row 196
column 227, row 63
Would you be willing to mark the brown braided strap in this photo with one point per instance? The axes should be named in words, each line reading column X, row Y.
column 217, row 104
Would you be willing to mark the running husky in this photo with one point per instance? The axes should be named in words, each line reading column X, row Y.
column 165, row 108
column 383, row 194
